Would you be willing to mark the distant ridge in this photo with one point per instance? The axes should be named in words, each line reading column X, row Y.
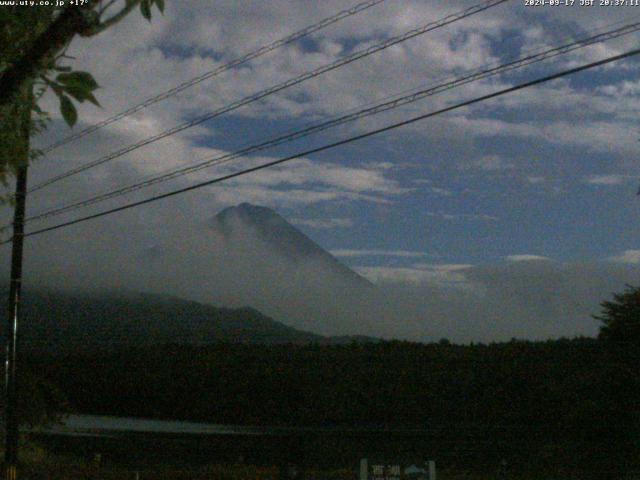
column 56, row 321
column 260, row 252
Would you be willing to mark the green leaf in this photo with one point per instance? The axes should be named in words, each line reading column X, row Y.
column 62, row 69
column 145, row 9
column 68, row 110
column 81, row 95
column 160, row 5
column 56, row 88
column 83, row 80
column 93, row 100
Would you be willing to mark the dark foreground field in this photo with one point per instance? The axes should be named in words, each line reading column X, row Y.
column 162, row 456
column 559, row 409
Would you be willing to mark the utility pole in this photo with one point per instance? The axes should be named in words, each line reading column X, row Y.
column 13, row 304
column 13, row 312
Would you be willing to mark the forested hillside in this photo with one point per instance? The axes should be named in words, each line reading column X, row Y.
column 564, row 402
column 57, row 322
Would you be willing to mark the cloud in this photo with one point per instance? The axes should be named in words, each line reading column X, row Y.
column 626, row 88
column 423, row 301
column 462, row 216
column 488, row 163
column 526, row 258
column 535, row 180
column 440, row 191
column 344, row 178
column 304, row 182
column 610, row 179
column 194, row 38
column 628, row 256
column 442, row 275
column 535, row 299
column 379, row 253
column 323, row 223
column 299, row 182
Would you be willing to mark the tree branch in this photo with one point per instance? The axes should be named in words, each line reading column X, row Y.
column 73, row 20
column 104, row 8
column 131, row 4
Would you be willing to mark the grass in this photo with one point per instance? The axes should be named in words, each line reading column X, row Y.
column 37, row 463
column 52, row 471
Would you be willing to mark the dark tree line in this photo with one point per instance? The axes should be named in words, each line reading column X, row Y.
column 562, row 404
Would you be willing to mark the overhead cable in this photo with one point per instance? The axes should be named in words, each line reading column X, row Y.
column 376, row 109
column 217, row 71
column 276, row 88
column 368, row 134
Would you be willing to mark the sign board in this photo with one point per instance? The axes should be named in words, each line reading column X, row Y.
column 390, row 470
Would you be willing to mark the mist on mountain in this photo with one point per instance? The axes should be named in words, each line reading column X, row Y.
column 250, row 256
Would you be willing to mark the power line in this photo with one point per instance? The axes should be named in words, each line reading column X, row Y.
column 277, row 88
column 338, row 121
column 371, row 133
column 382, row 107
column 222, row 68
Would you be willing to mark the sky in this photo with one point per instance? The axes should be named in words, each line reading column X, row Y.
column 538, row 181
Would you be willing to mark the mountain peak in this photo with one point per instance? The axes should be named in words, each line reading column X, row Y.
column 270, row 228
column 249, row 213
column 251, row 209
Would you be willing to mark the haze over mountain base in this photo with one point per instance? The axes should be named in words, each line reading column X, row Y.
column 250, row 256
